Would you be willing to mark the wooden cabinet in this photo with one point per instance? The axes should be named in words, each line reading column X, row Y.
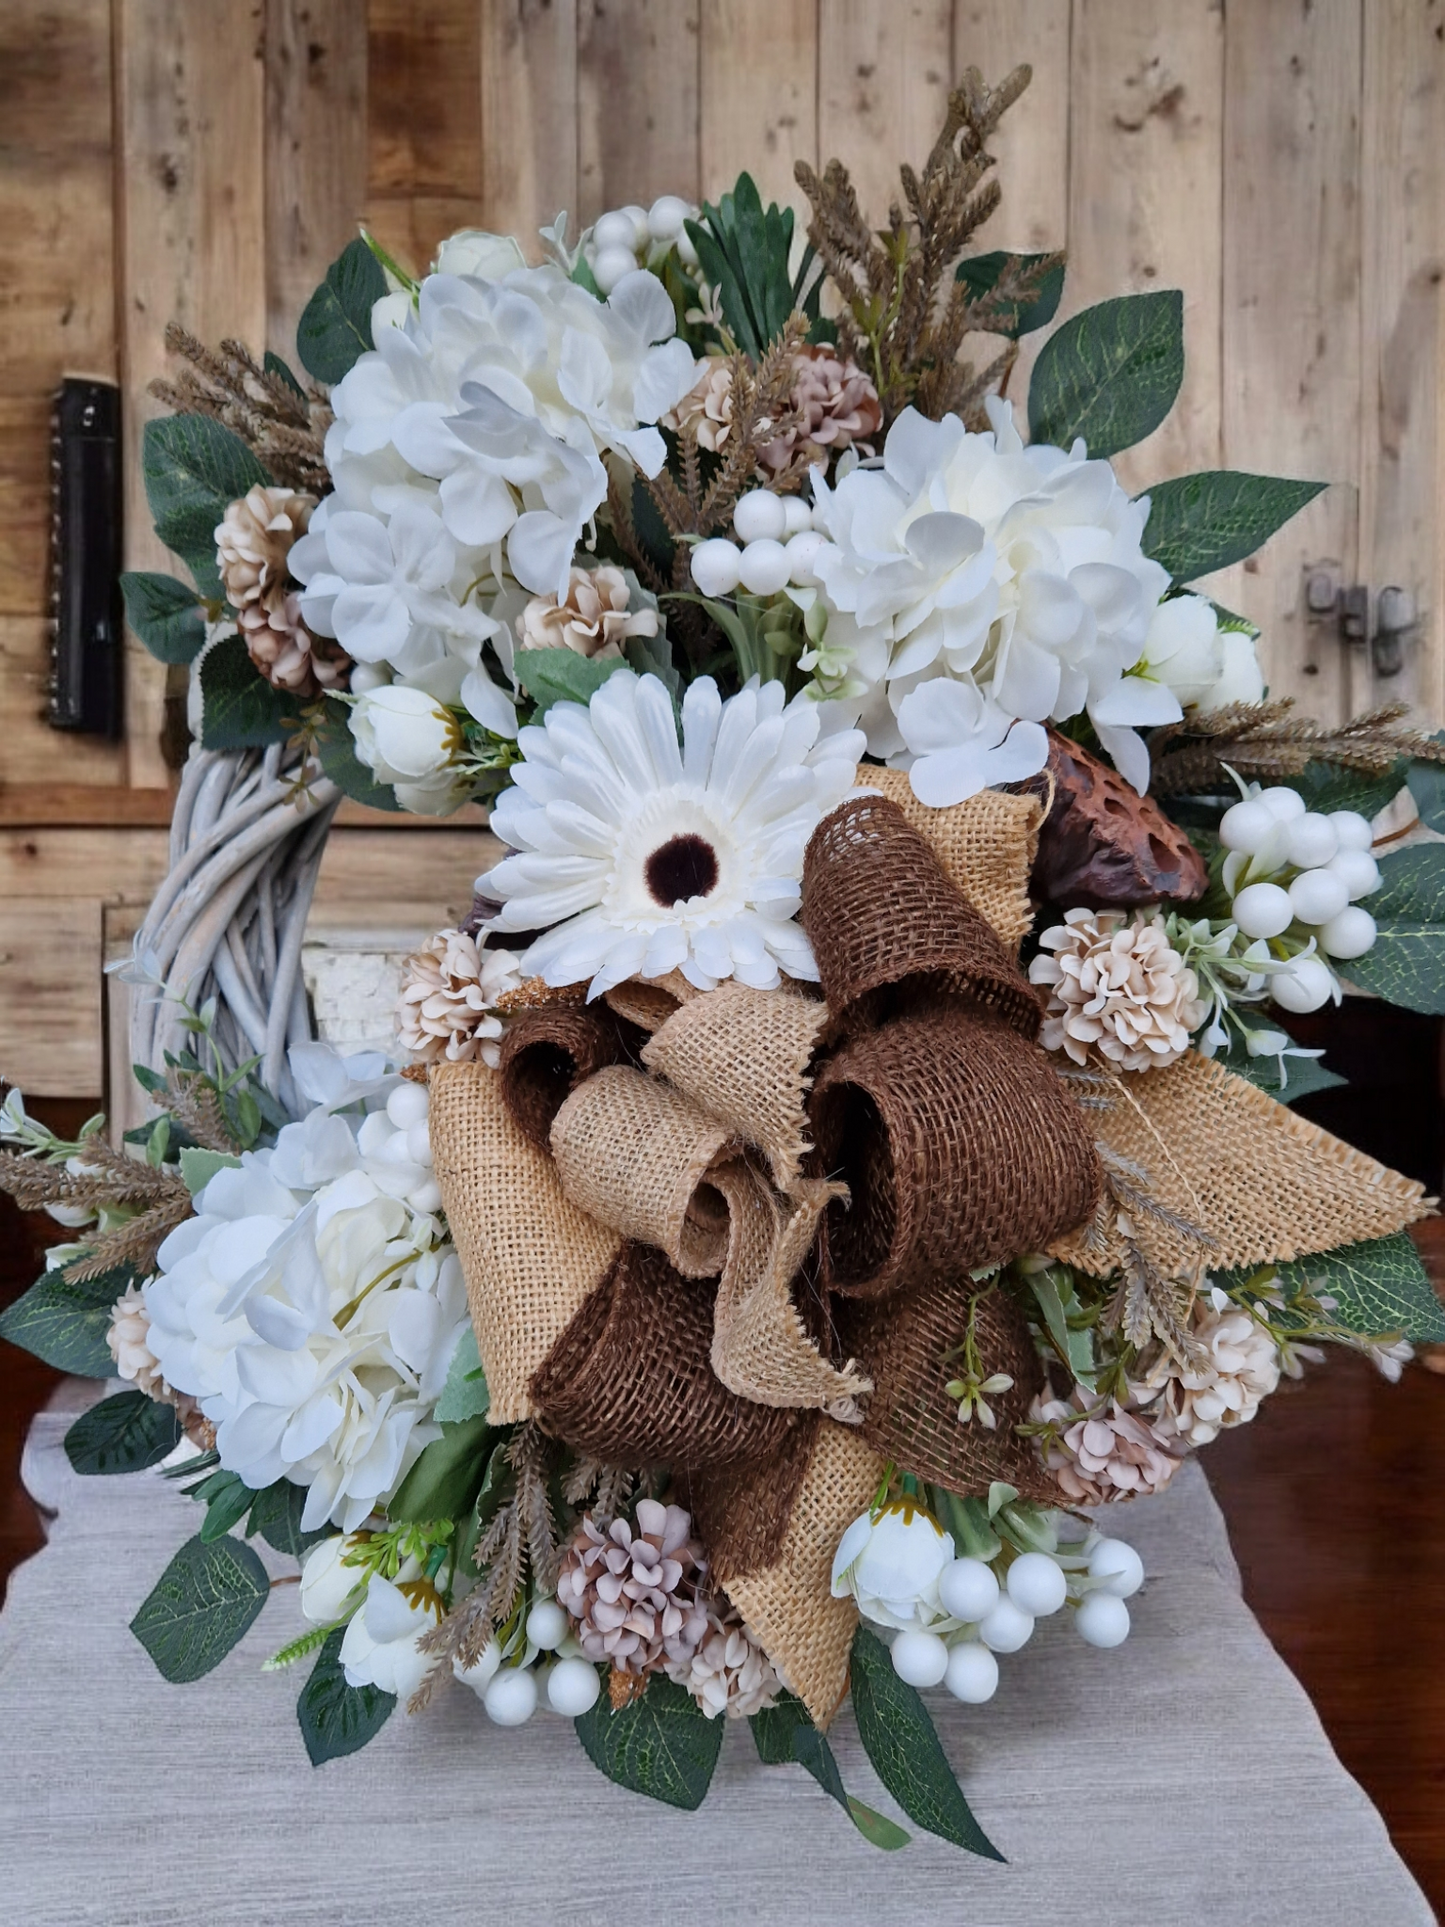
column 1280, row 161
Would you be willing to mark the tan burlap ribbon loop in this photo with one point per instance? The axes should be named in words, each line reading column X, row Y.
column 986, row 847
column 630, row 1379
column 959, row 1146
column 886, row 923
column 548, row 1051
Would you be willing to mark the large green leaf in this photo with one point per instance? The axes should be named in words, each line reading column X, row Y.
column 1036, row 301
column 785, row 1733
column 65, row 1324
column 465, row 1393
column 1407, row 964
column 335, row 325
column 1198, row 523
column 202, row 1604
column 1330, row 786
column 1110, row 374
column 227, row 1499
column 444, row 1482
column 1427, row 786
column 239, row 708
column 899, row 1739
column 276, row 1515
column 662, row 1745
column 336, row 1718
column 1379, row 1287
column 165, row 614
column 124, row 1433
column 193, row 468
column 561, row 675
column 336, row 752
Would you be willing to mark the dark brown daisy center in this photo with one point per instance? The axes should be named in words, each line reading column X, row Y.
column 683, row 867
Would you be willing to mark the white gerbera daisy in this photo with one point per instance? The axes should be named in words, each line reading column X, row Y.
column 638, row 857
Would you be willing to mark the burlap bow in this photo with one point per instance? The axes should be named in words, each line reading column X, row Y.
column 732, row 1232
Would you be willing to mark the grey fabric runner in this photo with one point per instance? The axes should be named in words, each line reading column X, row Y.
column 1182, row 1779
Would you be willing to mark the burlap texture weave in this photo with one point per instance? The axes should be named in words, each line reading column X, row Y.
column 530, row 1257
column 911, row 1419
column 741, row 1511
column 547, row 1051
column 986, row 845
column 1221, row 1153
column 887, row 925
column 630, row 1379
column 805, row 1631
column 959, row 1147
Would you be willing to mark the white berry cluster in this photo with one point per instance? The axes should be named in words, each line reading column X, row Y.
column 542, row 1664
column 776, row 544
column 1298, row 875
column 950, row 1616
column 627, row 238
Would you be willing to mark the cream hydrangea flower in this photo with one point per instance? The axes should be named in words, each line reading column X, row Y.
column 1013, row 572
column 638, row 856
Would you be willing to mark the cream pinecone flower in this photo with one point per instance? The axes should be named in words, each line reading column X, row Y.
column 838, row 408
column 1239, row 1365
column 1117, row 988
column 129, row 1342
column 709, row 403
column 594, row 619
column 1102, row 1451
column 448, row 991
column 633, row 1588
column 729, row 1673
column 254, row 540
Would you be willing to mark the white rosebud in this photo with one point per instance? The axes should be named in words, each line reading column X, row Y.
column 327, row 1585
column 892, row 1567
column 473, row 251
column 408, row 739
column 1241, row 679
column 382, row 1646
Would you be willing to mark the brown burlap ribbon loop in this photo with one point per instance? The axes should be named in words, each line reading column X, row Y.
column 547, row 1052
column 959, row 1147
column 911, row 1419
column 630, row 1379
column 886, row 923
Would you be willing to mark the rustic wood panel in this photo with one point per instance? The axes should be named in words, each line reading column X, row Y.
column 31, row 751
column 637, row 102
column 316, row 150
column 1402, row 437
column 883, row 80
column 759, row 115
column 1146, row 101
column 50, row 994
column 423, row 123
column 1291, row 339
column 529, row 116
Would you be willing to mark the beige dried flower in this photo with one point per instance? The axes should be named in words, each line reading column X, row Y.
column 1238, row 1366
column 729, row 1673
column 632, row 1587
column 129, row 1342
column 594, row 620
column 709, row 403
column 838, row 408
column 1102, row 1451
column 1117, row 988
column 446, row 1011
column 253, row 542
column 285, row 651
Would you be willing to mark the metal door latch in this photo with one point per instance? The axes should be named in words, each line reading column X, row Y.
column 1396, row 617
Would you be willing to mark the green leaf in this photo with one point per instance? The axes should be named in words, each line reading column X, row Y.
column 1330, row 786
column 65, row 1324
column 1110, row 374
column 662, row 1745
column 239, row 708
column 336, row 1718
column 1020, row 314
column 1198, row 523
column 1075, row 1347
column 274, row 365
column 445, row 1480
column 745, row 254
column 336, row 752
column 1379, row 1287
column 785, row 1733
column 1427, row 786
column 899, row 1739
column 561, row 675
column 202, row 1605
column 335, row 326
column 228, row 1500
column 465, row 1393
column 1303, row 1075
column 498, row 1482
column 193, row 468
column 276, row 1515
column 125, row 1433
column 165, row 614
column 198, row 1167
column 1407, row 964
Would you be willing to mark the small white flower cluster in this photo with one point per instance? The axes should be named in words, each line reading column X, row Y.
column 1294, row 873
column 627, row 238
column 950, row 1616
column 777, row 544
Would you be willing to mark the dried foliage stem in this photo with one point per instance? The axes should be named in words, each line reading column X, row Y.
column 284, row 429
column 1266, row 740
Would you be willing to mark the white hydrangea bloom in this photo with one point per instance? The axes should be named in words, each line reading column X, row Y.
column 638, row 855
column 983, row 589
column 477, row 423
column 312, row 1305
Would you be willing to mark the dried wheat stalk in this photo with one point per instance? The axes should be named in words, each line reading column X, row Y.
column 284, row 430
column 1267, row 740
